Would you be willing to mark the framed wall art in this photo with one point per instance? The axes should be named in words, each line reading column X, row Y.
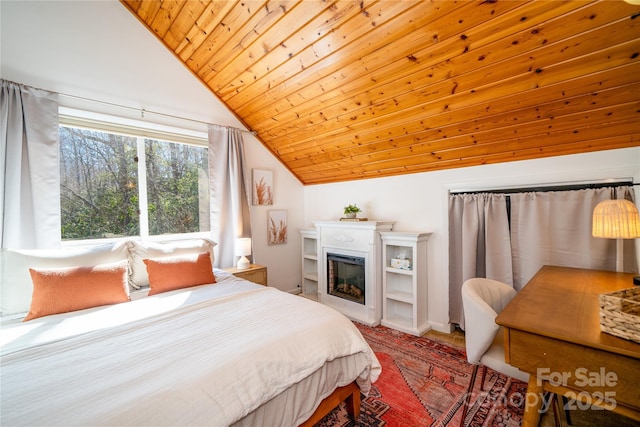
column 262, row 186
column 277, row 227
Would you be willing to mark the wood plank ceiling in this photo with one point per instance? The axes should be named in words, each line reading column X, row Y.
column 345, row 90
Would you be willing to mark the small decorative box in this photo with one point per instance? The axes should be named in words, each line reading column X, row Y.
column 402, row 264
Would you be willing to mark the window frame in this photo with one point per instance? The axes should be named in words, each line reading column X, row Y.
column 141, row 130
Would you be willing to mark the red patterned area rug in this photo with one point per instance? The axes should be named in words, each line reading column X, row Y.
column 423, row 383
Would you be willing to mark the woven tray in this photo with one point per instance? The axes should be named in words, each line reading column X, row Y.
column 620, row 313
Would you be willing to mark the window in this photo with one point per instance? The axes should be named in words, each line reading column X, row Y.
column 114, row 185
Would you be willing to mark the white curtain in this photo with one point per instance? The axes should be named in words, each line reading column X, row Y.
column 478, row 244
column 30, row 183
column 554, row 228
column 228, row 184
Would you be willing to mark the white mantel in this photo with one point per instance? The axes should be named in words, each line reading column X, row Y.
column 355, row 238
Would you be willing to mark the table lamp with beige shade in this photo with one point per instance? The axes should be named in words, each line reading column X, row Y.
column 617, row 219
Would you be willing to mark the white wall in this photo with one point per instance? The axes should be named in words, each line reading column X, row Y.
column 418, row 202
column 98, row 50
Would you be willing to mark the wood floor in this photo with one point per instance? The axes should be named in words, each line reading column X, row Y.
column 455, row 338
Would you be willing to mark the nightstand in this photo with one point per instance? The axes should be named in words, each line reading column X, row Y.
column 256, row 273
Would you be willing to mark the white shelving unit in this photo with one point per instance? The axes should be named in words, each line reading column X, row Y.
column 309, row 283
column 404, row 289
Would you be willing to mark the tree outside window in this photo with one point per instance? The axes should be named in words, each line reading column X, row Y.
column 121, row 186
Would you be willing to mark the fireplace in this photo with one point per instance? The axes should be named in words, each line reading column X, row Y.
column 346, row 277
column 350, row 277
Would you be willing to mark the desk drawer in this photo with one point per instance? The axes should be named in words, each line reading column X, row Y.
column 576, row 366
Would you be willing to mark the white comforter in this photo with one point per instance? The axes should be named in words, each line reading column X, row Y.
column 209, row 355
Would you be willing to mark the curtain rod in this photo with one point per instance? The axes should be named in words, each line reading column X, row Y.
column 143, row 111
column 557, row 186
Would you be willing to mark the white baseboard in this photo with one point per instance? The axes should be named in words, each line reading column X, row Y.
column 445, row 328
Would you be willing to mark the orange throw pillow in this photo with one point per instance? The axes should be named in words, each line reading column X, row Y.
column 61, row 290
column 170, row 273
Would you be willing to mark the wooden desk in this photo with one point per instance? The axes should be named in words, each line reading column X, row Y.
column 552, row 331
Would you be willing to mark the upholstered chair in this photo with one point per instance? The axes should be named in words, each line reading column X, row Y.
column 482, row 300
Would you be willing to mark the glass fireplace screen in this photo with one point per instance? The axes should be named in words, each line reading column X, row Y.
column 346, row 277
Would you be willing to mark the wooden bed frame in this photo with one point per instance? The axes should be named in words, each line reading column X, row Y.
column 349, row 393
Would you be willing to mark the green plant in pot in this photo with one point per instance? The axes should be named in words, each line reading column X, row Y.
column 351, row 211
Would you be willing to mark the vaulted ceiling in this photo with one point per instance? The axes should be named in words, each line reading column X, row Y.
column 345, row 90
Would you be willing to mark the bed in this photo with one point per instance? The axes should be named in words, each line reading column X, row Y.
column 229, row 353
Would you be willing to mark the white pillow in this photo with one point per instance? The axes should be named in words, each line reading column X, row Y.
column 16, row 287
column 138, row 251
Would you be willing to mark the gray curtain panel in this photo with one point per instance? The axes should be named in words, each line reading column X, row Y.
column 478, row 244
column 228, row 185
column 30, row 181
column 554, row 228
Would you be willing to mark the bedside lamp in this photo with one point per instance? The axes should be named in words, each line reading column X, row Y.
column 243, row 248
column 616, row 219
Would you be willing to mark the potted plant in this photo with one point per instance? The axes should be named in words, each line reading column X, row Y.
column 351, row 211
